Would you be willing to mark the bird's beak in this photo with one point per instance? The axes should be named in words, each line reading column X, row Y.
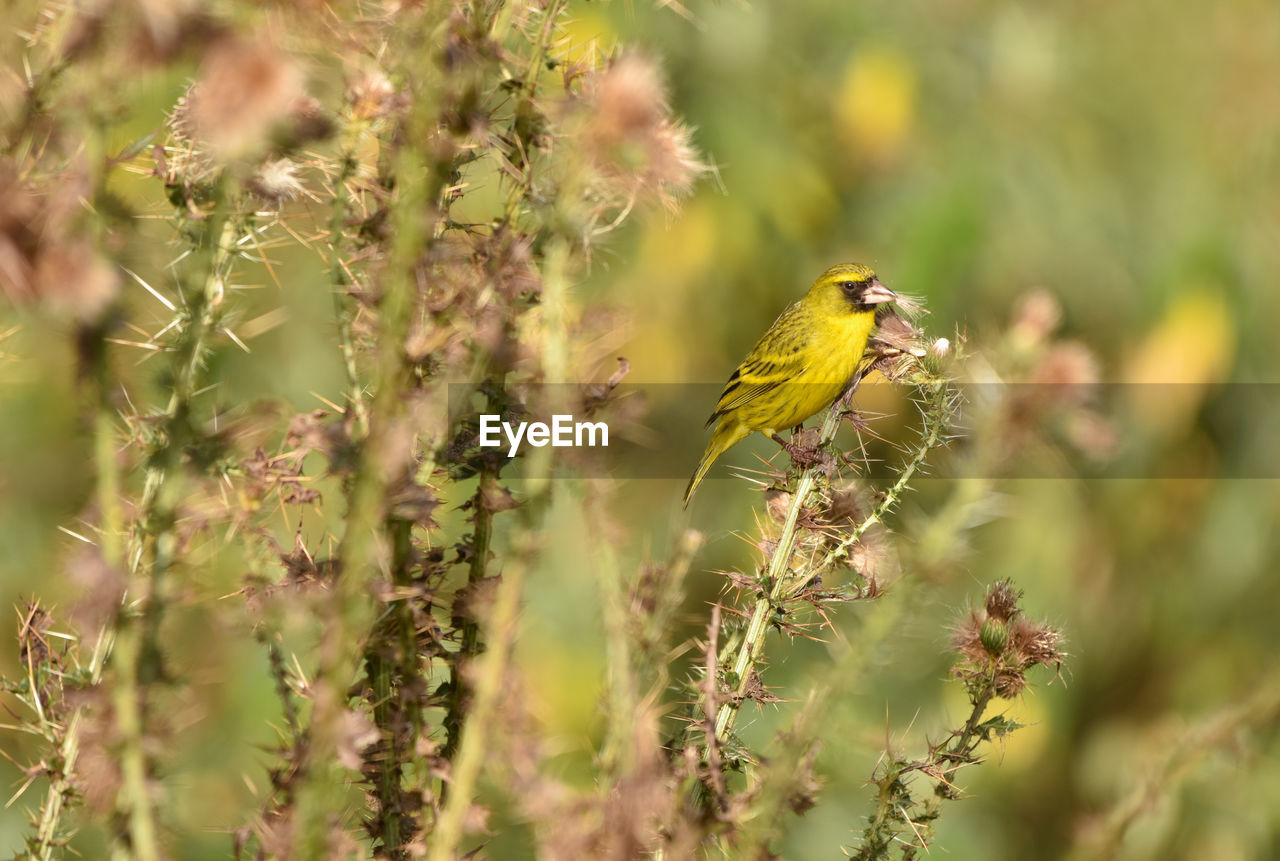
column 876, row 293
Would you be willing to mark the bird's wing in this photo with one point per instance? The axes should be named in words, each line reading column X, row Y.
column 771, row 363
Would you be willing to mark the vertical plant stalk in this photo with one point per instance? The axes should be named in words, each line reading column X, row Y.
column 391, row 653
column 136, row 652
column 621, row 684
column 777, row 783
column 394, row 824
column 753, row 641
column 343, row 305
column 492, row 664
column 351, row 608
column 491, row 669
column 781, row 585
column 469, row 643
column 635, row 634
column 111, row 545
column 520, row 189
column 108, row 496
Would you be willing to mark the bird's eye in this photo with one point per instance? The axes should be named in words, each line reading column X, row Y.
column 849, row 286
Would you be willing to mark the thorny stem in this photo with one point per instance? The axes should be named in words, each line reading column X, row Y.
column 519, row 189
column 941, row 765
column 351, row 609
column 753, row 640
column 135, row 653
column 469, row 644
column 491, row 665
column 391, row 816
column 780, row 584
column 960, row 751
column 60, row 785
column 343, row 304
column 936, row 410
column 491, row 668
column 41, row 84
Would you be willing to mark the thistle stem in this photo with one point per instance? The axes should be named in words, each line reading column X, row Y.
column 753, row 642
column 781, row 582
column 937, row 408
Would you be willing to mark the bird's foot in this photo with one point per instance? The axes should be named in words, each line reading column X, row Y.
column 804, row 451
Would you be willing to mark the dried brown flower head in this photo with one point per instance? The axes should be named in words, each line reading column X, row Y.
column 1067, row 370
column 998, row 645
column 276, row 181
column 41, row 258
column 371, row 94
column 245, row 89
column 631, row 139
column 1036, row 318
column 897, row 343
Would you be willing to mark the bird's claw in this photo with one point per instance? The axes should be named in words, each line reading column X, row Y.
column 802, row 456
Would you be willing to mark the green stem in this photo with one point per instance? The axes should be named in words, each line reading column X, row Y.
column 781, row 586
column 936, row 423
column 351, row 608
column 753, row 641
column 111, row 544
column 519, row 190
column 492, row 664
column 136, row 651
column 389, row 658
column 344, row 305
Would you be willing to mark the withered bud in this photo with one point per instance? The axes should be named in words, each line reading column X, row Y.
column 245, row 88
column 997, row 644
column 630, row 100
column 630, row 137
column 778, row 503
column 844, row 508
column 276, row 181
column 1002, row 601
column 1035, row 643
column 1037, row 316
column 1067, row 366
column 371, row 94
column 41, row 260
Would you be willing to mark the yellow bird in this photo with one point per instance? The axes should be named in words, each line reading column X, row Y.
column 800, row 365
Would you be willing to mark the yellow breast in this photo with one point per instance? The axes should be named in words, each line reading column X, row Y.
column 831, row 355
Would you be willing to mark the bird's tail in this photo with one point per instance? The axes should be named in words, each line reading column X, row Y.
column 724, row 436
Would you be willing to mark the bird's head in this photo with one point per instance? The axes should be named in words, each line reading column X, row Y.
column 849, row 288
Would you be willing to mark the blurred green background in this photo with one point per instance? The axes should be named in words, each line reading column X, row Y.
column 1122, row 156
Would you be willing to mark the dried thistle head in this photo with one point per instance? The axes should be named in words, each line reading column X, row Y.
column 897, row 344
column 371, row 95
column 1002, row 601
column 246, row 87
column 997, row 645
column 1036, row 317
column 634, row 145
column 276, row 181
column 1066, row 370
column 42, row 259
column 844, row 510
